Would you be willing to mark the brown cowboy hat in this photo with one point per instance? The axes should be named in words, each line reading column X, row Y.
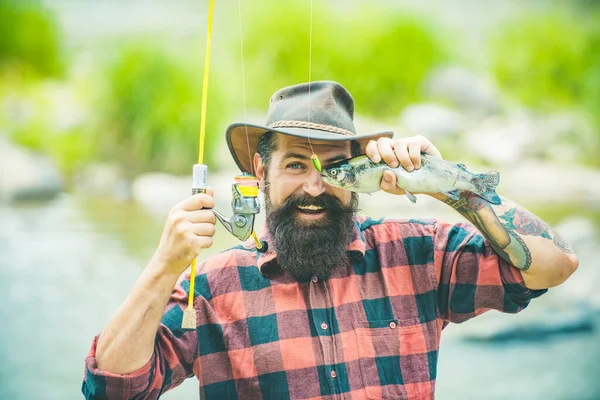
column 331, row 109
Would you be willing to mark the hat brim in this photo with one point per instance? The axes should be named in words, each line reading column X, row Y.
column 242, row 140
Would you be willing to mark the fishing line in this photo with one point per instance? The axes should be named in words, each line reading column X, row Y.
column 257, row 242
column 244, row 87
column 189, row 315
column 313, row 157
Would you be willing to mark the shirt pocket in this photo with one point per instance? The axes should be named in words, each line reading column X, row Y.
column 393, row 358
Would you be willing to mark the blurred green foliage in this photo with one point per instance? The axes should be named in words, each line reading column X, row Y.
column 141, row 100
column 29, row 38
column 380, row 55
column 551, row 60
column 69, row 149
column 40, row 117
column 148, row 114
column 31, row 51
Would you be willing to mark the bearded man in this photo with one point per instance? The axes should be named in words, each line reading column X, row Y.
column 339, row 306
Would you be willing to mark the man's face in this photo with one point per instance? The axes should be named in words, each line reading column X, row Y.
column 310, row 222
column 291, row 172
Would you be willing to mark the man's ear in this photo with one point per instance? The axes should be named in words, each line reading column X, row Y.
column 259, row 167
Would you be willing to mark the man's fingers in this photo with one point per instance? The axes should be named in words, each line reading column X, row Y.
column 203, row 229
column 201, row 216
column 372, row 152
column 428, row 147
column 388, row 183
column 203, row 242
column 402, row 154
column 405, row 152
column 198, row 202
column 386, row 150
column 414, row 152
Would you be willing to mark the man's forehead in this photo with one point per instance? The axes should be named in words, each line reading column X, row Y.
column 286, row 142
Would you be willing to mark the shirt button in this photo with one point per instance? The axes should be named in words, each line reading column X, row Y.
column 315, row 279
column 393, row 325
column 333, row 374
column 324, row 326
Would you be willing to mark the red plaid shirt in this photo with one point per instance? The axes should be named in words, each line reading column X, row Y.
column 370, row 331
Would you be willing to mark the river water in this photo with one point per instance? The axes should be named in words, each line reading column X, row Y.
column 66, row 265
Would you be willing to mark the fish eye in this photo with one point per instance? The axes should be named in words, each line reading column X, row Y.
column 334, row 172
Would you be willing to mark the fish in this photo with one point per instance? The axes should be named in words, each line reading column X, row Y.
column 360, row 174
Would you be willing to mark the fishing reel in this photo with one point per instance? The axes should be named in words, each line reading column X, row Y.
column 244, row 204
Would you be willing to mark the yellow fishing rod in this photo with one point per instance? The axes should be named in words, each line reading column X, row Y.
column 245, row 204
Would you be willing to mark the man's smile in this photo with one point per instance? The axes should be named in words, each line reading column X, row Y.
column 311, row 211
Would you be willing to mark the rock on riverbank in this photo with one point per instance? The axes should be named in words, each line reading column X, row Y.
column 25, row 175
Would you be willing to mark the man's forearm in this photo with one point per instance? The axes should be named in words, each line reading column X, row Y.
column 521, row 238
column 127, row 342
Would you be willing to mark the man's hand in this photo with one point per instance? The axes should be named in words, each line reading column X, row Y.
column 405, row 152
column 127, row 342
column 189, row 229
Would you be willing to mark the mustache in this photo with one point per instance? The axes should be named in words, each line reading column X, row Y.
column 326, row 201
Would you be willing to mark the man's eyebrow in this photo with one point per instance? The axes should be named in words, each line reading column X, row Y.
column 295, row 155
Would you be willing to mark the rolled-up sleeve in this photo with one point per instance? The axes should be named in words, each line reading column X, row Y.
column 171, row 363
column 472, row 277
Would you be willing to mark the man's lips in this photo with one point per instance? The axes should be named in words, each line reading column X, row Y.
column 310, row 212
column 310, row 209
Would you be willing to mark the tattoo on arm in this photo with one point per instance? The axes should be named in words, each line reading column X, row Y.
column 525, row 223
column 481, row 214
column 524, row 249
column 505, row 229
column 562, row 244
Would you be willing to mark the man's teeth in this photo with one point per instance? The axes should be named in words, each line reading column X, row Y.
column 311, row 208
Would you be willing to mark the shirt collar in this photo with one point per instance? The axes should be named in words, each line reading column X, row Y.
column 267, row 262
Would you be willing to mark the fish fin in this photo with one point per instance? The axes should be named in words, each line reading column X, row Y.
column 453, row 194
column 411, row 197
column 486, row 186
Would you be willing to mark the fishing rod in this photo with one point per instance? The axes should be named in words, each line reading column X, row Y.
column 245, row 204
column 244, row 189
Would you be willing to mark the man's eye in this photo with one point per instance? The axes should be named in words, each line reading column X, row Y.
column 295, row 165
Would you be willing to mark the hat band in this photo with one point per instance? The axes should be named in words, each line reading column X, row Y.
column 311, row 125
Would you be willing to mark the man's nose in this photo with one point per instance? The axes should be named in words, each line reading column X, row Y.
column 314, row 184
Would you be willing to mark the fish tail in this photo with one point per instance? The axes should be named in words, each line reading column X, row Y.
column 486, row 186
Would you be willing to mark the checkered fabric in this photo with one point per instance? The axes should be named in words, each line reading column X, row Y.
column 370, row 331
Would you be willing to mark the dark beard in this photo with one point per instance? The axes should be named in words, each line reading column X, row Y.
column 307, row 248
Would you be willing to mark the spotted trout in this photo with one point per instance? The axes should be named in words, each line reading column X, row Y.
column 360, row 174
